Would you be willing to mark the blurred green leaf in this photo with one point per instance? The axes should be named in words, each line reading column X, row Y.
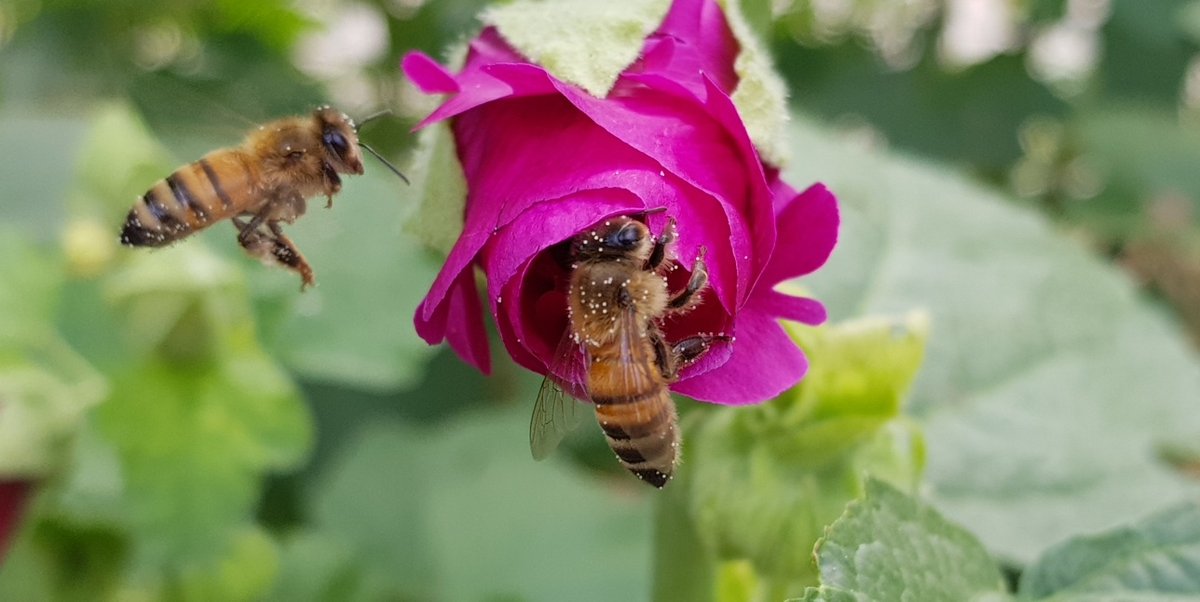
column 30, row 281
column 924, row 108
column 1189, row 20
column 23, row 575
column 245, row 571
column 316, row 566
column 459, row 512
column 1046, row 384
column 45, row 386
column 45, row 392
column 1046, row 10
column 275, row 22
column 1157, row 559
column 54, row 560
column 736, row 582
column 1141, row 156
column 355, row 327
column 118, row 161
column 1145, row 52
column 36, row 179
column 198, row 412
column 889, row 547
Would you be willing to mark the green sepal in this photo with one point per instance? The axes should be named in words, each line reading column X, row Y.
column 440, row 189
column 589, row 44
column 761, row 93
column 760, row 483
column 581, row 42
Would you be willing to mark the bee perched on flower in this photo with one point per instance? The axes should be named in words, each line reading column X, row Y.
column 560, row 137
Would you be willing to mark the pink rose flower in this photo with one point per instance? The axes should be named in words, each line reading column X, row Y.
column 545, row 160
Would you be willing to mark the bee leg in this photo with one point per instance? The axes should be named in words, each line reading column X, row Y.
column 246, row 231
column 660, row 245
column 335, row 183
column 687, row 297
column 256, row 243
column 686, row 351
column 285, row 251
column 663, row 358
column 273, row 247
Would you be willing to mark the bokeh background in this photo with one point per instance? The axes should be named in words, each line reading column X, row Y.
column 183, row 424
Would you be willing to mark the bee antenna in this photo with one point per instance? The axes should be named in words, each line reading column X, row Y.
column 385, row 162
column 370, row 118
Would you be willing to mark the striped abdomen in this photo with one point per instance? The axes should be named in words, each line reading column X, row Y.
column 218, row 186
column 637, row 415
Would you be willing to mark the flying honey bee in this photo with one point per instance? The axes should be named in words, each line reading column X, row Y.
column 265, row 180
column 615, row 302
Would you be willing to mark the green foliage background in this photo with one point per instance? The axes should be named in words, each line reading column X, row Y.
column 1008, row 356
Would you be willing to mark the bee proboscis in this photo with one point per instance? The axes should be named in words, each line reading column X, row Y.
column 265, row 180
column 616, row 301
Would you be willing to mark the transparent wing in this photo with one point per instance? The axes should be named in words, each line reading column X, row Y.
column 556, row 413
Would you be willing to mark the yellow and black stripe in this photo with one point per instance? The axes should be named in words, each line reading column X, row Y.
column 635, row 410
column 189, row 200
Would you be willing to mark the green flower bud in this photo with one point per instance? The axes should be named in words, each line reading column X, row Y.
column 763, row 482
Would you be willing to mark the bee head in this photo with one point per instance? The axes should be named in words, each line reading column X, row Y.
column 619, row 237
column 339, row 139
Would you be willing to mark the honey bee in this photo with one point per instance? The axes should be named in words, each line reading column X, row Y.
column 616, row 301
column 265, row 180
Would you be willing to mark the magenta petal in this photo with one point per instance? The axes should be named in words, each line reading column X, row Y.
column 457, row 263
column 429, row 76
column 691, row 145
column 544, row 160
column 548, row 223
column 550, row 150
column 464, row 328
column 530, row 350
column 492, row 72
column 808, row 227
column 458, row 320
column 764, row 363
column 694, row 41
column 797, row 309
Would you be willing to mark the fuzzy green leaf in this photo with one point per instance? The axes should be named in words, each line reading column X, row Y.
column 1047, row 385
column 1155, row 560
column 889, row 547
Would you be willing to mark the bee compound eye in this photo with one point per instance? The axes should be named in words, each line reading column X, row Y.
column 627, row 237
column 334, row 140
